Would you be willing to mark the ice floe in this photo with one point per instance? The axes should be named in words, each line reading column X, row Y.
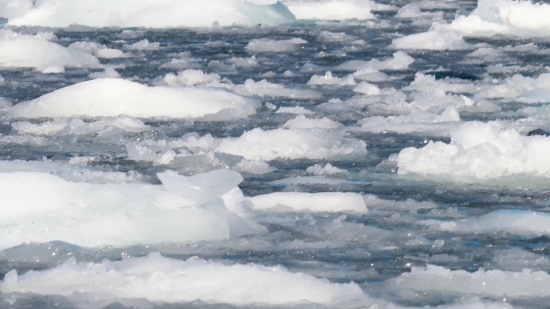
column 166, row 280
column 479, row 151
column 318, row 202
column 293, row 144
column 22, row 50
column 117, row 213
column 108, row 97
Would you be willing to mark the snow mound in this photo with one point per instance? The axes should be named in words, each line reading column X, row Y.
column 95, row 215
column 517, row 222
column 161, row 279
column 108, row 97
column 21, row 50
column 293, row 144
column 147, row 13
column 482, row 282
column 316, row 202
column 479, row 151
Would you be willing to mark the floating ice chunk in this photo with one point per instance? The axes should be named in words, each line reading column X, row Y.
column 523, row 88
column 95, row 215
column 371, row 75
column 400, row 61
column 244, row 62
column 482, row 282
column 367, row 88
column 98, row 50
column 334, row 36
column 318, row 202
column 161, row 279
column 432, row 40
column 20, row 50
column 334, row 9
column 308, row 180
column 527, row 223
column 298, row 110
column 302, row 122
column 517, row 259
column 192, row 78
column 479, row 151
column 143, row 45
column 372, row 201
column 328, row 79
column 256, row 166
column 202, row 187
column 412, row 10
column 109, row 72
column 415, row 121
column 264, row 88
column 328, row 169
column 64, row 126
column 150, row 14
column 267, row 45
column 109, row 97
column 293, row 144
column 507, row 17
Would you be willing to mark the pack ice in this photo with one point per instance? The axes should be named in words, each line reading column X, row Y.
column 111, row 97
column 144, row 13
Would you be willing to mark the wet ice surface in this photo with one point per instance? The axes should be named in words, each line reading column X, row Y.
column 458, row 223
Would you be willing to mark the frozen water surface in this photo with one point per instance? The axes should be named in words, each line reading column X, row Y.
column 263, row 154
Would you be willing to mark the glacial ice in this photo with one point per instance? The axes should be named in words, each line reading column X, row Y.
column 161, row 279
column 293, row 144
column 479, row 151
column 146, row 13
column 108, row 97
column 22, row 50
